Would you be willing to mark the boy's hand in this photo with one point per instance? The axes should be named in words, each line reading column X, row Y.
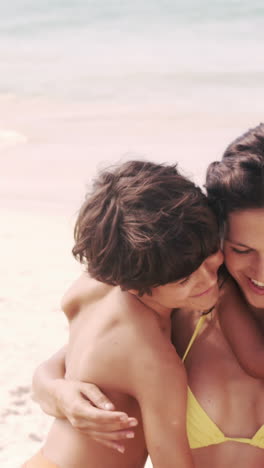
column 91, row 412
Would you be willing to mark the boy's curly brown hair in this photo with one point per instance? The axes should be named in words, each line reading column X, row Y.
column 144, row 225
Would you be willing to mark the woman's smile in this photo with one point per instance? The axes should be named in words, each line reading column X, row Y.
column 256, row 286
column 244, row 253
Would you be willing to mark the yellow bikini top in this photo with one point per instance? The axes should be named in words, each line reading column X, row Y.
column 201, row 430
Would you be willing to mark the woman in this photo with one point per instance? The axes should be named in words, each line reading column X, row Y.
column 231, row 419
column 226, row 405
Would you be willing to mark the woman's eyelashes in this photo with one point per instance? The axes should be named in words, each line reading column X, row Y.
column 241, row 251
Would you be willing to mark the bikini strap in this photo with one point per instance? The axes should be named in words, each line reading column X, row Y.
column 194, row 335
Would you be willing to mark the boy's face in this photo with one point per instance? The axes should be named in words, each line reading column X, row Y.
column 244, row 253
column 197, row 291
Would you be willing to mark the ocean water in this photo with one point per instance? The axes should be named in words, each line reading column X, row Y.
column 119, row 51
column 86, row 82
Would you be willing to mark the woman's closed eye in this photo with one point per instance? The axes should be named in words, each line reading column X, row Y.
column 241, row 251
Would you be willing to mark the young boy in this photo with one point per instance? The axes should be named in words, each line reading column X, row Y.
column 150, row 232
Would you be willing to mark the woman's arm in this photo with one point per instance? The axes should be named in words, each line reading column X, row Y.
column 83, row 404
column 241, row 331
column 45, row 381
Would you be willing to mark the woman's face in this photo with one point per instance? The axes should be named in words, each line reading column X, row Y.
column 197, row 291
column 244, row 253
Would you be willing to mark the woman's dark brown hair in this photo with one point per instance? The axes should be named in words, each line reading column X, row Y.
column 144, row 225
column 237, row 182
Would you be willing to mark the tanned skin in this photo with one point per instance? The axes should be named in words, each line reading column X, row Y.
column 103, row 335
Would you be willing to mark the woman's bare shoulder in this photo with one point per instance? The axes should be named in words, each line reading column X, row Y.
column 84, row 291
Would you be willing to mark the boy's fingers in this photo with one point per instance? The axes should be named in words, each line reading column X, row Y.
column 94, row 394
column 114, row 425
column 114, row 436
column 112, row 445
column 101, row 426
column 96, row 417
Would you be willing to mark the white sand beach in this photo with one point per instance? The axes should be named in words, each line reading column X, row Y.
column 35, row 270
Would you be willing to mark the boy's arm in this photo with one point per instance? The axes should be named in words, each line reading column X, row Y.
column 242, row 332
column 85, row 290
